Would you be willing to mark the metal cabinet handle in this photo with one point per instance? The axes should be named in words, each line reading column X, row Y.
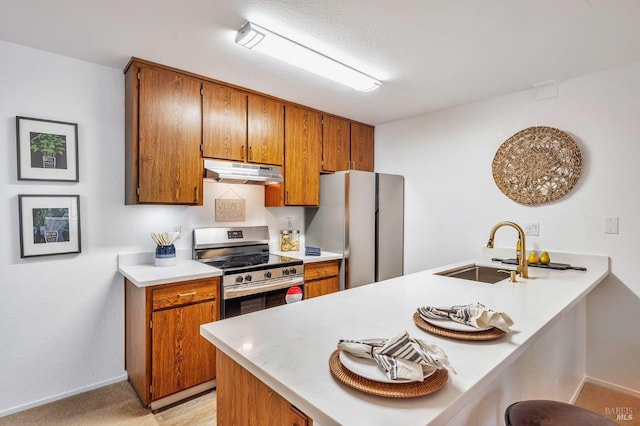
column 191, row 293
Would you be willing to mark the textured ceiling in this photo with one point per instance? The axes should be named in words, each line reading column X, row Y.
column 429, row 54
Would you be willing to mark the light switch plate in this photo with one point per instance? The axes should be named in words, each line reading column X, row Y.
column 611, row 225
column 531, row 228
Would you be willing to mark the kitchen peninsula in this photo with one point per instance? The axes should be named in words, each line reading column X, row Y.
column 288, row 348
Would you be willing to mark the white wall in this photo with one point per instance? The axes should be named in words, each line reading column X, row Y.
column 452, row 201
column 62, row 317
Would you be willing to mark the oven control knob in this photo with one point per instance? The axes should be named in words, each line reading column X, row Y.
column 239, row 279
column 285, row 272
column 267, row 274
column 293, row 270
column 247, row 277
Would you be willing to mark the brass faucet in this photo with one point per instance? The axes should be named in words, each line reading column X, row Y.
column 522, row 268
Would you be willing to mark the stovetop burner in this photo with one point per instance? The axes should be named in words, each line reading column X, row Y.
column 238, row 264
column 239, row 261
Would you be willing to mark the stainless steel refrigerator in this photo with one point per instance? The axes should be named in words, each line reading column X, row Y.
column 361, row 215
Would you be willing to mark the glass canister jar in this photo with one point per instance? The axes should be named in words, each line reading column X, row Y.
column 290, row 240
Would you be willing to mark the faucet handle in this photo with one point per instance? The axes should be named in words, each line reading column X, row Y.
column 512, row 274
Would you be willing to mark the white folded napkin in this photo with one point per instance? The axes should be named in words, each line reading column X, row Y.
column 476, row 315
column 401, row 357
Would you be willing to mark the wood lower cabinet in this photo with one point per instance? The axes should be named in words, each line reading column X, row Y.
column 242, row 399
column 321, row 278
column 362, row 147
column 163, row 134
column 164, row 351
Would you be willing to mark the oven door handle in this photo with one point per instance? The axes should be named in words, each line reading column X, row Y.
column 248, row 290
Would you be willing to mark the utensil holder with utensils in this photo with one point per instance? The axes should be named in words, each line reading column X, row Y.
column 165, row 250
column 165, row 255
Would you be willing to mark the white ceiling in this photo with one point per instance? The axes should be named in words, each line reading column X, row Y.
column 429, row 54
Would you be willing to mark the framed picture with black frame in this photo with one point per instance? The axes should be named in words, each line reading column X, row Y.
column 49, row 224
column 47, row 150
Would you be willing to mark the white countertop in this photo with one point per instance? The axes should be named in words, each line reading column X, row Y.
column 139, row 268
column 288, row 347
column 324, row 256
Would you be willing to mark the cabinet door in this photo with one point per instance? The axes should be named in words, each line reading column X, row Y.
column 336, row 139
column 297, row 417
column 321, row 287
column 180, row 356
column 265, row 131
column 303, row 143
column 242, row 399
column 362, row 147
column 224, row 122
column 169, row 137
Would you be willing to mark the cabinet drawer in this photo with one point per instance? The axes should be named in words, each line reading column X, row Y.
column 314, row 271
column 177, row 295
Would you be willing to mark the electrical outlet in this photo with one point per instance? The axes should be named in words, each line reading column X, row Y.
column 531, row 228
column 178, row 229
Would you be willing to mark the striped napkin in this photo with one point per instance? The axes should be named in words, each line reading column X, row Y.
column 476, row 315
column 401, row 357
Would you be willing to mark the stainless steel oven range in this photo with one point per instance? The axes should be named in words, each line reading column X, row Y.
column 253, row 279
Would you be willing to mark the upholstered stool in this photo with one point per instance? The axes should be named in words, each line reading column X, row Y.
column 552, row 413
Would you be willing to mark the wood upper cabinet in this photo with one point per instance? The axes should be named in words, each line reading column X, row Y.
column 336, row 140
column 164, row 351
column 362, row 147
column 303, row 145
column 163, row 134
column 303, row 148
column 242, row 127
column 224, row 123
column 265, row 124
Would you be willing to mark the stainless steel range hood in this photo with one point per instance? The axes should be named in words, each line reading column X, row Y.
column 228, row 172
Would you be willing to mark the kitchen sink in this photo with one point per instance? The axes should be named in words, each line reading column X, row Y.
column 473, row 272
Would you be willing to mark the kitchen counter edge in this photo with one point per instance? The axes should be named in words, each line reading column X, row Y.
column 324, row 256
column 139, row 268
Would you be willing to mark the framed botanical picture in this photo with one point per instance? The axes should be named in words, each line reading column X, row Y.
column 47, row 150
column 49, row 224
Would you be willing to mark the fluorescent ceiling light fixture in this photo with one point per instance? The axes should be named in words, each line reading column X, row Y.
column 255, row 37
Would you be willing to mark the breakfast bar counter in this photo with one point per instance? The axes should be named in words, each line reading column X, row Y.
column 287, row 348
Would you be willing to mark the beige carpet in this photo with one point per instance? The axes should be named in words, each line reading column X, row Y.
column 115, row 404
column 118, row 404
column 620, row 407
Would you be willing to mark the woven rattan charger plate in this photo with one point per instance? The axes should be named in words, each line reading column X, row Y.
column 390, row 390
column 490, row 334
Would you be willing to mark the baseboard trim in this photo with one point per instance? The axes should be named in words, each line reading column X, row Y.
column 612, row 386
column 576, row 393
column 182, row 395
column 63, row 395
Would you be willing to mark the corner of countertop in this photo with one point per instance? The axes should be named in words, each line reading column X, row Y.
column 139, row 268
column 324, row 256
